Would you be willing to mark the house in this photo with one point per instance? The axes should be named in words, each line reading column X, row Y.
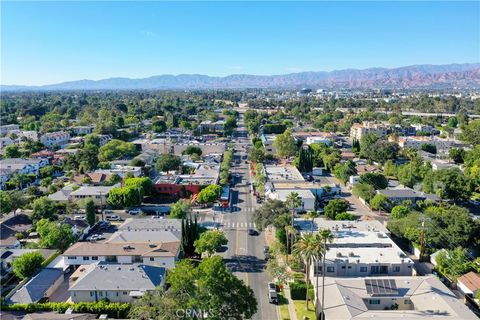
column 23, row 166
column 390, row 298
column 121, row 170
column 58, row 139
column 6, row 129
column 115, row 282
column 267, row 141
column 40, row 286
column 402, row 193
column 94, row 178
column 469, row 283
column 104, row 138
column 82, row 130
column 5, row 141
column 97, row 193
column 9, row 227
column 211, row 126
column 7, row 256
column 162, row 254
column 357, row 252
column 357, row 131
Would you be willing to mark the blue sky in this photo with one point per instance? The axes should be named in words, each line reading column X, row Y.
column 49, row 42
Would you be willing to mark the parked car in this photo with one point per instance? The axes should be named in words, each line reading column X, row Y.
column 95, row 237
column 113, row 217
column 79, row 218
column 272, row 294
column 252, row 232
column 134, row 211
column 266, row 252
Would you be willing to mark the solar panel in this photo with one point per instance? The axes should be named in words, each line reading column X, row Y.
column 381, row 287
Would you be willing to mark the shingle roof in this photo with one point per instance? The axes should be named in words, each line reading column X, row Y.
column 471, row 280
column 35, row 289
column 114, row 277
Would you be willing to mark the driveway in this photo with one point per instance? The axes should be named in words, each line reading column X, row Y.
column 62, row 294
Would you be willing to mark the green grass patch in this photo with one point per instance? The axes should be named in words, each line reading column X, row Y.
column 301, row 309
column 283, row 306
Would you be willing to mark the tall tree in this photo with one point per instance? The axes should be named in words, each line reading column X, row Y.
column 326, row 237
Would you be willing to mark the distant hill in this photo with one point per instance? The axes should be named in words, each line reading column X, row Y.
column 418, row 76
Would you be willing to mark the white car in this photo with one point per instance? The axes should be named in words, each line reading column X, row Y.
column 79, row 218
column 134, row 212
column 112, row 217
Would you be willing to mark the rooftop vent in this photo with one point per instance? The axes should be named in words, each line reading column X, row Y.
column 339, row 254
column 351, row 254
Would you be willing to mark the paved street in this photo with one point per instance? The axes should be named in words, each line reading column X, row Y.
column 244, row 255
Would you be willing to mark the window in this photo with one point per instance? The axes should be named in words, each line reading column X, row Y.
column 407, row 302
column 396, row 269
column 86, row 258
column 343, row 267
column 92, row 293
column 374, row 301
column 72, row 258
column 117, row 293
column 94, row 258
column 152, row 259
column 125, row 293
column 378, row 269
column 349, row 267
column 363, row 269
column 74, row 293
column 330, row 269
column 163, row 263
column 101, row 293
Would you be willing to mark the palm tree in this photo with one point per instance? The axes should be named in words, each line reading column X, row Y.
column 313, row 214
column 325, row 236
column 289, row 231
column 293, row 201
column 305, row 248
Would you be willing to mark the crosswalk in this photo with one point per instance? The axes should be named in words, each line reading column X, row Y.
column 237, row 225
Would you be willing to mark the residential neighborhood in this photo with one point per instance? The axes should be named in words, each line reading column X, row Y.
column 298, row 160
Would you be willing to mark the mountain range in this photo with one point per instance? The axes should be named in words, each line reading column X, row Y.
column 415, row 77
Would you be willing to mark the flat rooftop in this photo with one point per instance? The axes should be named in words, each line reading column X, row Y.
column 426, row 297
column 351, row 245
column 284, row 173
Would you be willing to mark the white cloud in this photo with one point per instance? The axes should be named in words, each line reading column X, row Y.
column 148, row 33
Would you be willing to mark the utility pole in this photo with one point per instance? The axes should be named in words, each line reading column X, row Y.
column 423, row 240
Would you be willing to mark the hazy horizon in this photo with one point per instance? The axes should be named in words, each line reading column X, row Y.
column 54, row 42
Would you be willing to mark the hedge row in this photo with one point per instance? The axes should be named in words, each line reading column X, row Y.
column 298, row 290
column 113, row 309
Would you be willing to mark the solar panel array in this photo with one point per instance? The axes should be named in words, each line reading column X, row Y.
column 381, row 287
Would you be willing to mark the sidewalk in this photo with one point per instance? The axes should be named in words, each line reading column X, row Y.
column 291, row 305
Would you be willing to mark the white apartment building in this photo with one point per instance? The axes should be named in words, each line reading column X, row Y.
column 115, row 282
column 59, row 138
column 357, row 131
column 163, row 254
column 417, row 142
column 363, row 253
